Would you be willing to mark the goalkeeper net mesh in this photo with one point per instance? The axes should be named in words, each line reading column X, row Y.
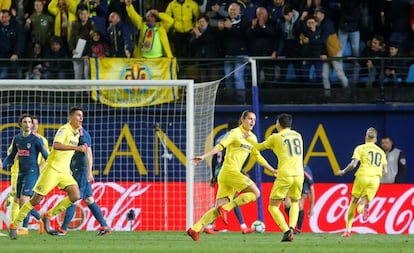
column 143, row 180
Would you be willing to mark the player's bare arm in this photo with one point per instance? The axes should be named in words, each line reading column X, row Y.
column 349, row 167
column 271, row 169
column 89, row 164
column 63, row 147
column 196, row 160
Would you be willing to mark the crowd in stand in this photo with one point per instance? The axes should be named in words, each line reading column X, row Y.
column 319, row 29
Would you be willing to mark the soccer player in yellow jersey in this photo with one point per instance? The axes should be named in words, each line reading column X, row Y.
column 373, row 163
column 287, row 145
column 231, row 179
column 56, row 173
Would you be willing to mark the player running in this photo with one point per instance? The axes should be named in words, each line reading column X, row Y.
column 81, row 167
column 231, row 179
column 287, row 145
column 56, row 173
column 367, row 178
column 24, row 151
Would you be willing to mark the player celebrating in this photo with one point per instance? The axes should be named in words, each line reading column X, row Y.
column 287, row 145
column 367, row 178
column 230, row 179
column 307, row 191
column 25, row 171
column 56, row 173
column 81, row 167
column 216, row 164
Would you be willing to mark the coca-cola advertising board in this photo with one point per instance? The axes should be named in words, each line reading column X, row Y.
column 391, row 211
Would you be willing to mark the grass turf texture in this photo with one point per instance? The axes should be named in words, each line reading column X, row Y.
column 82, row 241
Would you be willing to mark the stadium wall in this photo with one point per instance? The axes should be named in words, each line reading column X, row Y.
column 331, row 132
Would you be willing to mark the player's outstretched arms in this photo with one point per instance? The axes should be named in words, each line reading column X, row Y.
column 196, row 160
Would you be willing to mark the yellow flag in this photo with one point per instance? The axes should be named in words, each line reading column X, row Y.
column 134, row 69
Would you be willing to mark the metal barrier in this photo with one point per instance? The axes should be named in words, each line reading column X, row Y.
column 279, row 81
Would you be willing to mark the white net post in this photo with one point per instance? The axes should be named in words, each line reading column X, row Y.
column 129, row 146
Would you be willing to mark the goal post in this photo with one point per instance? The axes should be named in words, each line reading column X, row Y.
column 142, row 154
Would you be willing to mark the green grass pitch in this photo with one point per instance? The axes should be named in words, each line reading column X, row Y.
column 147, row 242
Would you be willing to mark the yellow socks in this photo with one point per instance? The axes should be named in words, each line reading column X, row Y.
column 207, row 218
column 350, row 216
column 14, row 210
column 278, row 217
column 293, row 214
column 60, row 207
column 240, row 200
column 24, row 211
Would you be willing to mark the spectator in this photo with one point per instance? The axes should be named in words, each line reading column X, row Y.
column 397, row 164
column 35, row 68
column 203, row 45
column 185, row 14
column 39, row 25
column 12, row 40
column 59, row 68
column 287, row 40
column 119, row 37
column 349, row 29
column 65, row 14
column 312, row 46
column 97, row 11
column 216, row 13
column 153, row 40
column 261, row 37
column 119, row 7
column 82, row 29
column 396, row 16
column 375, row 48
column 248, row 9
column 20, row 10
column 99, row 47
column 394, row 69
column 274, row 8
column 234, row 45
column 308, row 8
column 333, row 48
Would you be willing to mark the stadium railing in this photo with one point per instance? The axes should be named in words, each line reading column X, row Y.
column 281, row 84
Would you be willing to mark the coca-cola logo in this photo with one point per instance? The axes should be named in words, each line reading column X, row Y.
column 114, row 199
column 157, row 207
column 388, row 213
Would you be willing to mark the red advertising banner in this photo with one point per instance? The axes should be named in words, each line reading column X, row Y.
column 391, row 211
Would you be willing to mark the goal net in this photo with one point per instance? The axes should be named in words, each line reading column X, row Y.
column 144, row 179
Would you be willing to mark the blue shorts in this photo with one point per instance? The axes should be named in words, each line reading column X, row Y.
column 25, row 184
column 85, row 188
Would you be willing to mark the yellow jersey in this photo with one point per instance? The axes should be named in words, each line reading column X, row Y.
column 287, row 145
column 238, row 149
column 59, row 160
column 372, row 159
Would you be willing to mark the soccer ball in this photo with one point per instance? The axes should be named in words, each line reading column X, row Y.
column 258, row 226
